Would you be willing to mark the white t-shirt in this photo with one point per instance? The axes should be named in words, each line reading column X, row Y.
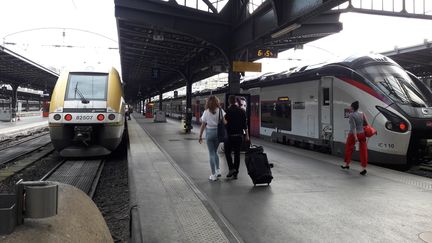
column 212, row 119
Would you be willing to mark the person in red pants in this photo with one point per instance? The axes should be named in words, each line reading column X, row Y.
column 356, row 121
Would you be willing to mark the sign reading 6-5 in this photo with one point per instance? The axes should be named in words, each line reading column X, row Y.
column 268, row 52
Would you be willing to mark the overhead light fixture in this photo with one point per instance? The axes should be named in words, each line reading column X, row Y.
column 285, row 30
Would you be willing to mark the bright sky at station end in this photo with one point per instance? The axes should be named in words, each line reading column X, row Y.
column 361, row 34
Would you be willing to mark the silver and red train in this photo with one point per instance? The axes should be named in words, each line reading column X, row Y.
column 311, row 106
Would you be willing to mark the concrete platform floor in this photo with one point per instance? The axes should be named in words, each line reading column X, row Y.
column 22, row 127
column 310, row 200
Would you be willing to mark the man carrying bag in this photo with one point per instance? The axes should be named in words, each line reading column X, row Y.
column 236, row 126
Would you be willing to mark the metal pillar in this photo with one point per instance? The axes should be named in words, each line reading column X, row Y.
column 27, row 106
column 188, row 121
column 234, row 82
column 160, row 101
column 14, row 100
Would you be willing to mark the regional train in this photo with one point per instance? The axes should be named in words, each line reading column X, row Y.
column 86, row 116
column 311, row 106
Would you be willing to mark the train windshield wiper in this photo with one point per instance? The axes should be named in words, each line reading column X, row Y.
column 83, row 99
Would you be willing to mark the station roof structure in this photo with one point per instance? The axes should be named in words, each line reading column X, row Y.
column 163, row 43
column 18, row 70
column 416, row 59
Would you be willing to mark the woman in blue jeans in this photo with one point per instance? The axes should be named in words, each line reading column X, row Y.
column 209, row 122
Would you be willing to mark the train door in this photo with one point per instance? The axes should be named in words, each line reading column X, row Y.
column 254, row 118
column 326, row 109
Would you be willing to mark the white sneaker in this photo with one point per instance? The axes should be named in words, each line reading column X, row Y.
column 213, row 178
column 218, row 173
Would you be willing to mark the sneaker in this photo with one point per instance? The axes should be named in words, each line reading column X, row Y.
column 218, row 173
column 363, row 172
column 234, row 176
column 231, row 173
column 345, row 167
column 213, row 178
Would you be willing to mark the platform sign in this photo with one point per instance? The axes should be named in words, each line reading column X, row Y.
column 246, row 66
column 268, row 52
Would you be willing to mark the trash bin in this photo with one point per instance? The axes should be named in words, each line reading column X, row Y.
column 41, row 199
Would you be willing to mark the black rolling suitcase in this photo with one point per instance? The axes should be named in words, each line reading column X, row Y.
column 258, row 166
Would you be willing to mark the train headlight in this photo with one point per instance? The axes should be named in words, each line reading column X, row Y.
column 111, row 117
column 100, row 117
column 68, row 117
column 389, row 125
column 395, row 123
column 57, row 117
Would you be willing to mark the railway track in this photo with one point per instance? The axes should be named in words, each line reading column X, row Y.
column 12, row 143
column 83, row 174
column 15, row 151
column 423, row 169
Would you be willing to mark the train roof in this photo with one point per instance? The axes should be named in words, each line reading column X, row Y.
column 309, row 72
column 303, row 73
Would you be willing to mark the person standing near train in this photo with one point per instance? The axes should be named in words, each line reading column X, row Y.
column 236, row 126
column 209, row 123
column 356, row 121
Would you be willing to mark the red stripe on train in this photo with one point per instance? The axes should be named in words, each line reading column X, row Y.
column 364, row 87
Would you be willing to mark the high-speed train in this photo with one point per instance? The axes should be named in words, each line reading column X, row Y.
column 311, row 106
column 86, row 116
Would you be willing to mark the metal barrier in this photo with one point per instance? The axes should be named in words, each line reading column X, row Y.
column 33, row 199
column 5, row 115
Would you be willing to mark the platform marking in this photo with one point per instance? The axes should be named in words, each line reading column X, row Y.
column 196, row 222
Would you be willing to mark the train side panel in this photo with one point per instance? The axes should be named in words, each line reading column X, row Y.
column 302, row 100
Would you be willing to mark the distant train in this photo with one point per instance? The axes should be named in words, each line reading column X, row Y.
column 87, row 112
column 311, row 106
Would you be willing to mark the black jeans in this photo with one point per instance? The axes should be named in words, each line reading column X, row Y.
column 233, row 144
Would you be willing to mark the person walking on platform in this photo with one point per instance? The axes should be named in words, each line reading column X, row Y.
column 236, row 126
column 209, row 122
column 356, row 121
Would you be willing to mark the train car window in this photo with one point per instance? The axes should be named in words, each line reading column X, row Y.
column 267, row 111
column 396, row 83
column 326, row 97
column 92, row 87
column 282, row 116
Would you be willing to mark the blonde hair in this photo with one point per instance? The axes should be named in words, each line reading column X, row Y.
column 212, row 103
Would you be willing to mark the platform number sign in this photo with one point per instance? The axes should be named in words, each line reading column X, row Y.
column 266, row 52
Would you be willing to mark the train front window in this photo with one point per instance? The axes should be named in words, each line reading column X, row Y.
column 91, row 87
column 396, row 83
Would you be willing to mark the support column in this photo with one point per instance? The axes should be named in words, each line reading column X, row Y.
column 160, row 100
column 234, row 82
column 27, row 105
column 188, row 122
column 14, row 100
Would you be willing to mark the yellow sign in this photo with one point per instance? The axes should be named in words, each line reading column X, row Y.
column 246, row 66
column 266, row 52
column 283, row 98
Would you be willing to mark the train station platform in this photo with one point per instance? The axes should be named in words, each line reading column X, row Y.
column 310, row 199
column 26, row 125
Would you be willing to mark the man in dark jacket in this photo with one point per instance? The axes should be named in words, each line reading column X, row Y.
column 236, row 127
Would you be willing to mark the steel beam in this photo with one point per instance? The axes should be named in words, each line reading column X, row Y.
column 176, row 18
